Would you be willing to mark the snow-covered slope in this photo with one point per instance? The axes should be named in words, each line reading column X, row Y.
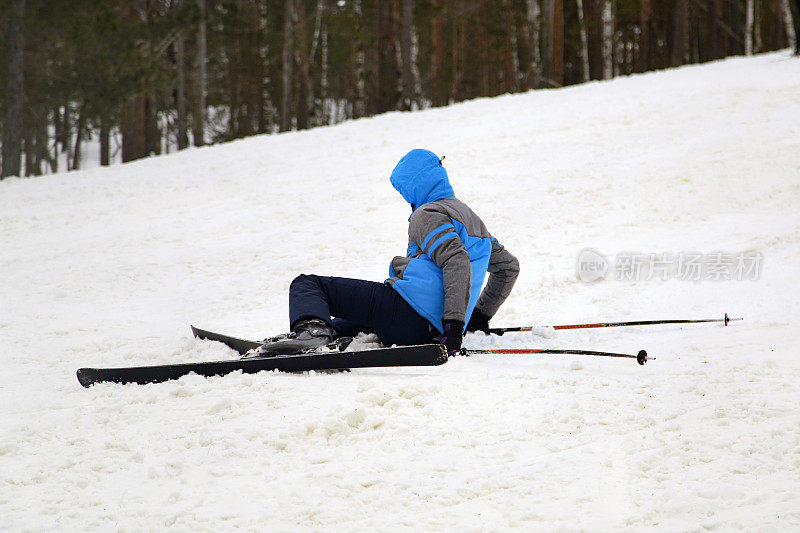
column 108, row 267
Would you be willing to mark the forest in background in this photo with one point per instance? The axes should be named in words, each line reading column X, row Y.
column 142, row 77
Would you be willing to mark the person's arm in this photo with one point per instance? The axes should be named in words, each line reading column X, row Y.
column 503, row 271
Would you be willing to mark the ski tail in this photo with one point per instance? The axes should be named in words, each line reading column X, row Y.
column 240, row 345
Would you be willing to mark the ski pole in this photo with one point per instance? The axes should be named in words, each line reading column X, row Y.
column 725, row 320
column 640, row 357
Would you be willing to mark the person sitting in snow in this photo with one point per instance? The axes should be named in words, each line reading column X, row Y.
column 431, row 292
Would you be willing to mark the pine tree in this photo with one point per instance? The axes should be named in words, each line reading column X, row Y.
column 12, row 121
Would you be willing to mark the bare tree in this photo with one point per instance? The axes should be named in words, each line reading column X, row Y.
column 407, row 59
column 553, row 42
column 791, row 35
column 607, row 22
column 757, row 28
column 584, row 41
column 134, row 126
column 388, row 75
column 288, row 62
column 558, row 42
column 360, row 97
column 797, row 29
column 105, row 142
column 438, row 92
column 180, row 104
column 548, row 30
column 748, row 27
column 534, row 28
column 643, row 59
column 15, row 77
column 302, row 61
column 152, row 129
column 680, row 34
column 325, row 114
column 318, row 111
column 199, row 115
column 134, row 129
column 79, row 131
column 511, row 71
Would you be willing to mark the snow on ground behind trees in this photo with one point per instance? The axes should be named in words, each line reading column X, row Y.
column 107, row 267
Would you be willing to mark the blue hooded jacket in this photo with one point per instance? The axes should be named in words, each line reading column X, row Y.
column 421, row 179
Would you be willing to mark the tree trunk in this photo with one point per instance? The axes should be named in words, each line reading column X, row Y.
column 182, row 133
column 584, row 41
column 359, row 58
column 756, row 27
column 643, row 60
column 317, row 102
column 408, row 68
column 791, row 35
column 302, row 60
column 513, row 53
column 105, row 142
column 41, row 137
column 58, row 126
column 481, row 38
column 437, row 90
column 152, row 129
column 719, row 38
column 359, row 108
column 458, row 61
column 15, row 77
column 134, row 136
column 607, row 23
column 288, row 62
column 199, row 114
column 558, row 43
column 42, row 140
column 534, row 22
column 548, row 32
column 388, row 69
column 66, row 134
column 76, row 158
column 325, row 117
column 748, row 27
column 31, row 146
column 680, row 34
column 797, row 29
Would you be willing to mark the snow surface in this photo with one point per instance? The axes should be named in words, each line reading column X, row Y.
column 108, row 267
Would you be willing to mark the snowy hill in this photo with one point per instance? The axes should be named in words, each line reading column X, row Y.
column 108, row 267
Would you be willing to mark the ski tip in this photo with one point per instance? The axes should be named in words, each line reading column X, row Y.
column 84, row 378
column 641, row 357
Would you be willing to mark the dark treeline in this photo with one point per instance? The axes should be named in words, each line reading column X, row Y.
column 146, row 76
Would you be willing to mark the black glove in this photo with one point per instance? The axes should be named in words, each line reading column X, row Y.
column 478, row 322
column 451, row 338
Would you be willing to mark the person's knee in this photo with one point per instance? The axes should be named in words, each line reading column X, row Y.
column 302, row 279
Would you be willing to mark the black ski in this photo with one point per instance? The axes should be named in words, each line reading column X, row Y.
column 240, row 345
column 422, row 355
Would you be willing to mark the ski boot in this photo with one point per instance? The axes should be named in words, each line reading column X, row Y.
column 306, row 336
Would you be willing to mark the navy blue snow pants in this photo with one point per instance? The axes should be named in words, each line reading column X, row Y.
column 352, row 306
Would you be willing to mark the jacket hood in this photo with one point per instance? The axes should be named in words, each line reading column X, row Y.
column 421, row 178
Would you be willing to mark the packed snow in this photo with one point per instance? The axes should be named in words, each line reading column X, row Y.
column 108, row 267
